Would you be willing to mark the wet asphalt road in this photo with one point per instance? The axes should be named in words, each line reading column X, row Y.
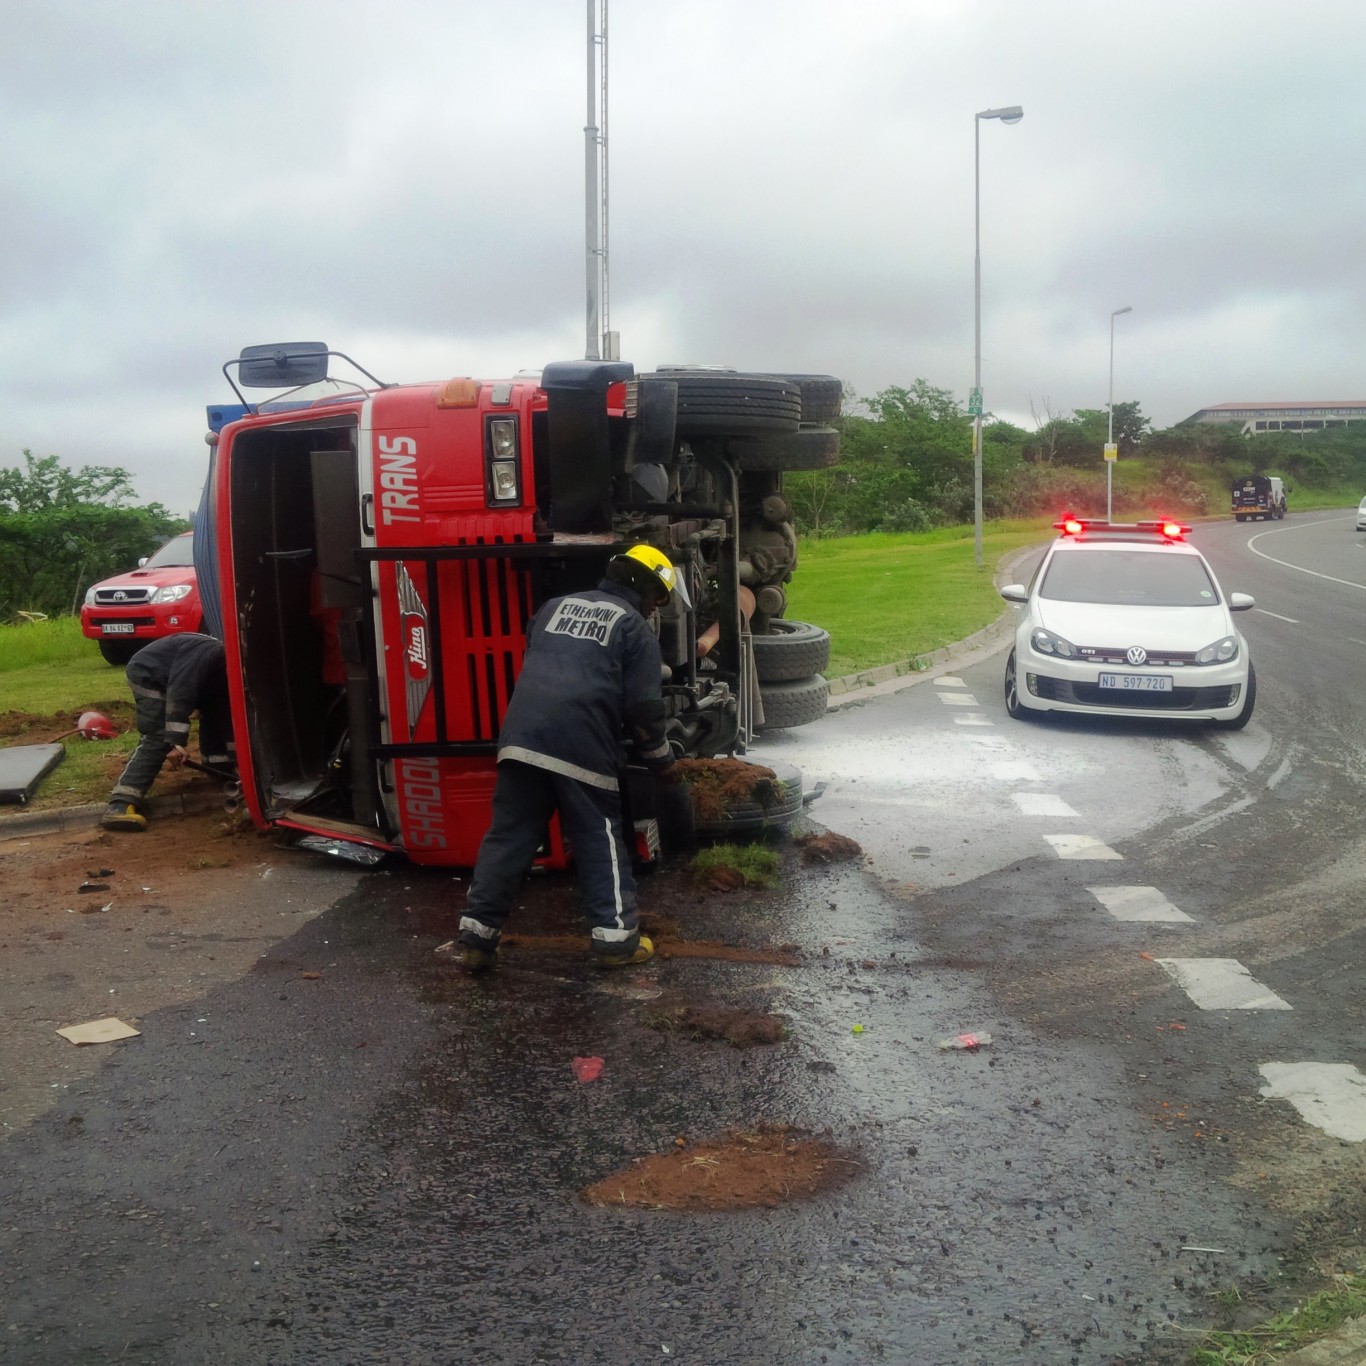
column 383, row 1164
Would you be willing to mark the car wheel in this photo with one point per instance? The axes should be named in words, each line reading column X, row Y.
column 793, row 649
column 1014, row 709
column 1249, row 702
column 794, row 704
column 119, row 651
column 1237, row 516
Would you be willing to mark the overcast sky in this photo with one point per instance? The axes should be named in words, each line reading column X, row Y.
column 791, row 189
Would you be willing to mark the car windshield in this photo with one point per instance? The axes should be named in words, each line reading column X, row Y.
column 177, row 553
column 1131, row 578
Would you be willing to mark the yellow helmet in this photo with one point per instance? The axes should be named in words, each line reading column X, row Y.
column 662, row 567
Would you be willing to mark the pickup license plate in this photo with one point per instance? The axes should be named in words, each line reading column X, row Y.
column 117, row 628
column 1137, row 682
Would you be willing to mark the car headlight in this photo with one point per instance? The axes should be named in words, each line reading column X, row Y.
column 89, row 597
column 173, row 593
column 1046, row 643
column 1218, row 653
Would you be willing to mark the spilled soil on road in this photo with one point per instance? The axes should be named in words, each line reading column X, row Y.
column 762, row 1168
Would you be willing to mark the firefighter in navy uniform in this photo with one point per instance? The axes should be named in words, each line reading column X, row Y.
column 171, row 679
column 592, row 673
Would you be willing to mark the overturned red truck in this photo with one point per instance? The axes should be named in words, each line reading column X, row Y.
column 379, row 549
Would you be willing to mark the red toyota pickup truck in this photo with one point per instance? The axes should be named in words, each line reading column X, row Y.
column 158, row 598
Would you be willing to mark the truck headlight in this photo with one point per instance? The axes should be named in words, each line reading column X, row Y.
column 504, row 482
column 173, row 593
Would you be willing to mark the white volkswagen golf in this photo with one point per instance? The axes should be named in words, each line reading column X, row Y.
column 1128, row 620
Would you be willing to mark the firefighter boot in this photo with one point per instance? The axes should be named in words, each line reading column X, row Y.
column 123, row 814
column 645, row 950
column 478, row 960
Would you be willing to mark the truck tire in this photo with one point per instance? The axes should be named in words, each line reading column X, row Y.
column 712, row 404
column 119, row 651
column 797, row 703
column 822, row 396
column 808, row 448
column 751, row 817
column 791, row 650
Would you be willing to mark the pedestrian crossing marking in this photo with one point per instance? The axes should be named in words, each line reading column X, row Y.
column 1081, row 847
column 1329, row 1095
column 1221, row 984
column 1142, row 904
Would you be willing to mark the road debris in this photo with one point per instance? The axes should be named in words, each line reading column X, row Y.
column 93, row 887
column 761, row 1168
column 828, row 848
column 739, row 1028
column 587, row 1069
column 965, row 1043
column 107, row 1030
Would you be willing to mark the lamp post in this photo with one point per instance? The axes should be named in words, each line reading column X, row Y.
column 1011, row 114
column 1111, row 453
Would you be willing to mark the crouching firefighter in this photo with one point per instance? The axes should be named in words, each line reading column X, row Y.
column 591, row 673
column 171, row 679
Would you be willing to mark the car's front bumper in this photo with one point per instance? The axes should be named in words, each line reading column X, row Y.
column 1213, row 692
column 139, row 621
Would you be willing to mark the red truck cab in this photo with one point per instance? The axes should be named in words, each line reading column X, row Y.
column 380, row 549
column 158, row 598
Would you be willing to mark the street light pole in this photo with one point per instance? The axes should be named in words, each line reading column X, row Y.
column 1011, row 114
column 1110, row 433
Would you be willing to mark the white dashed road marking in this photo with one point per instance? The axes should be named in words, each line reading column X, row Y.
column 1145, row 904
column 1081, row 847
column 1329, row 1095
column 949, row 681
column 1041, row 804
column 974, row 720
column 958, row 699
column 1262, row 610
column 1221, row 984
column 1015, row 771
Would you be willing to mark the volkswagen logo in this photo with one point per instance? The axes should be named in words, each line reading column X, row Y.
column 1136, row 654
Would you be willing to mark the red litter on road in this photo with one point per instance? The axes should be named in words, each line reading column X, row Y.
column 587, row 1069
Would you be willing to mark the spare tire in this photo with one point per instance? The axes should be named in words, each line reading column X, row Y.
column 790, row 650
column 751, row 817
column 808, row 448
column 822, row 396
column 717, row 404
column 793, row 704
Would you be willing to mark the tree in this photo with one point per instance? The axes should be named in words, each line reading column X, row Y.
column 62, row 529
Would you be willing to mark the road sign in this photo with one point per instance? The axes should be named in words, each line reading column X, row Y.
column 975, row 403
column 1111, row 450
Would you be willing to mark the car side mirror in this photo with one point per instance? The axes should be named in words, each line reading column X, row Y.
column 1241, row 602
column 143, row 560
column 1017, row 592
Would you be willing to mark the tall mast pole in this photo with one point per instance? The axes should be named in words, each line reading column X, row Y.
column 592, row 258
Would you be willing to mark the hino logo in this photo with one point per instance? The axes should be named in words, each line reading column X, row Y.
column 417, row 646
column 414, row 634
column 1136, row 654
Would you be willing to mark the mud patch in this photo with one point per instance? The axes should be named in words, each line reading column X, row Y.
column 720, row 786
column 757, row 1169
column 26, row 727
column 781, row 955
column 828, row 848
column 739, row 1028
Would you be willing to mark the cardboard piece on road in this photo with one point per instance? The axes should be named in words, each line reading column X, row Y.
column 99, row 1031
column 23, row 767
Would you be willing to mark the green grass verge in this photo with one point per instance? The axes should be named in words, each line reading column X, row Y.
column 887, row 597
column 1288, row 1332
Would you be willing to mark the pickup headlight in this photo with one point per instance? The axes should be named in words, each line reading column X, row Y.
column 1046, row 643
column 89, row 597
column 173, row 593
column 1218, row 653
